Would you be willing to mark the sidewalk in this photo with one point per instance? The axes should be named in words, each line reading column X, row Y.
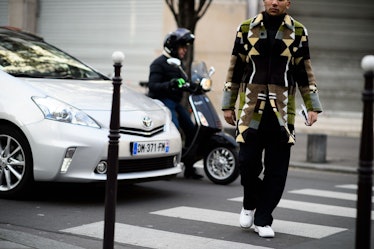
column 345, row 124
column 343, row 131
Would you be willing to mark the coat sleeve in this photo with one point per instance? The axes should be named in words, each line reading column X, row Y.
column 303, row 73
column 157, row 82
column 236, row 69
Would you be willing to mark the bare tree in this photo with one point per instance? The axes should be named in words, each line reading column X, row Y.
column 186, row 14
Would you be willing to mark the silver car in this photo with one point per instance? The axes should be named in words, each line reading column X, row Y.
column 55, row 115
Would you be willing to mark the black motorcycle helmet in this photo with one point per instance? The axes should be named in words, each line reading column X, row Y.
column 179, row 37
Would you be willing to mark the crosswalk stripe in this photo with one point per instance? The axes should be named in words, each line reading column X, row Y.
column 325, row 193
column 320, row 208
column 350, row 186
column 314, row 208
column 232, row 219
column 157, row 239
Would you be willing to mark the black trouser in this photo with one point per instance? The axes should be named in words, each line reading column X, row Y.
column 264, row 194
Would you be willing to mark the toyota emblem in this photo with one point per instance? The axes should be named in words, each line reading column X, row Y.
column 147, row 122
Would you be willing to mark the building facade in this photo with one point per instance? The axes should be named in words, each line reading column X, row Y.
column 341, row 34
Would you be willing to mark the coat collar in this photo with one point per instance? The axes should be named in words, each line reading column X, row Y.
column 288, row 21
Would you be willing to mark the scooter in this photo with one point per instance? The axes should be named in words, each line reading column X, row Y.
column 217, row 149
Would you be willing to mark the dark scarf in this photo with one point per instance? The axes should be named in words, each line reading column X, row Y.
column 269, row 121
column 273, row 22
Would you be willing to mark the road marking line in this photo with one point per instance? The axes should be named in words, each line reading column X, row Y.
column 315, row 208
column 349, row 186
column 157, row 239
column 232, row 219
column 325, row 193
column 319, row 208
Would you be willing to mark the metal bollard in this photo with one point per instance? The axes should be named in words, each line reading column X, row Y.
column 114, row 135
column 316, row 148
column 365, row 170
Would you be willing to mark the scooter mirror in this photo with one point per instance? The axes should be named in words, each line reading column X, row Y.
column 174, row 62
column 177, row 63
column 212, row 70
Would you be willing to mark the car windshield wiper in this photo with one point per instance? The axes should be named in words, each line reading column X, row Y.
column 28, row 75
column 46, row 76
column 78, row 78
column 66, row 77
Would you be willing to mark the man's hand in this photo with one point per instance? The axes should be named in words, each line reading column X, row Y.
column 230, row 116
column 312, row 117
column 177, row 83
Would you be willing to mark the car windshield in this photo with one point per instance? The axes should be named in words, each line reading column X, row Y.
column 22, row 57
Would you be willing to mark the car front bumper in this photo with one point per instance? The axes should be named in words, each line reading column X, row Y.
column 51, row 140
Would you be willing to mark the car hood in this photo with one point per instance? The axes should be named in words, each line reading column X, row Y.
column 95, row 99
column 93, row 95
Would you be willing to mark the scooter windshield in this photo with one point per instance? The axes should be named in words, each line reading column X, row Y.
column 199, row 71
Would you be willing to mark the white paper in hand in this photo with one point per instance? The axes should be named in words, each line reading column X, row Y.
column 304, row 113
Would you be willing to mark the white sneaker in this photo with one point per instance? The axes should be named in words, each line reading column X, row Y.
column 246, row 218
column 265, row 232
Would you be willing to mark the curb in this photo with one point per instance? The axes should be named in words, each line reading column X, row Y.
column 324, row 167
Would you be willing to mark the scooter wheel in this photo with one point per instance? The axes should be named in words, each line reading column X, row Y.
column 221, row 165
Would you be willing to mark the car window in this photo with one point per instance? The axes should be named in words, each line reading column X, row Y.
column 38, row 59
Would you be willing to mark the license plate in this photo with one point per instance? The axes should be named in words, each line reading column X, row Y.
column 149, row 147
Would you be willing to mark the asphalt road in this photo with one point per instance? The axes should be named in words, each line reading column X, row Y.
column 316, row 211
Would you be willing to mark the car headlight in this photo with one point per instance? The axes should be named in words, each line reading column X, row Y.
column 56, row 110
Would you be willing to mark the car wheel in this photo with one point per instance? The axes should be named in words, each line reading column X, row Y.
column 221, row 165
column 16, row 164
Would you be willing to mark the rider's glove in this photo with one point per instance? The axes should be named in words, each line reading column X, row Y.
column 177, row 83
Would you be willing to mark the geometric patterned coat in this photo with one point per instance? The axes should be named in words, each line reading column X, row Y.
column 256, row 73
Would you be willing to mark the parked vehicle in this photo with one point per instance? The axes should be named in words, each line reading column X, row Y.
column 217, row 149
column 55, row 115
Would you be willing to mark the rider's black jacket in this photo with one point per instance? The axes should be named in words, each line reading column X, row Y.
column 160, row 75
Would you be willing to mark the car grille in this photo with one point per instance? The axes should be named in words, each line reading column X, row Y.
column 134, row 165
column 141, row 132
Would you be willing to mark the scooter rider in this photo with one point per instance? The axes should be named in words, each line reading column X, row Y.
column 165, row 83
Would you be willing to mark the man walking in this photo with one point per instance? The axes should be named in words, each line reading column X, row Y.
column 270, row 60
